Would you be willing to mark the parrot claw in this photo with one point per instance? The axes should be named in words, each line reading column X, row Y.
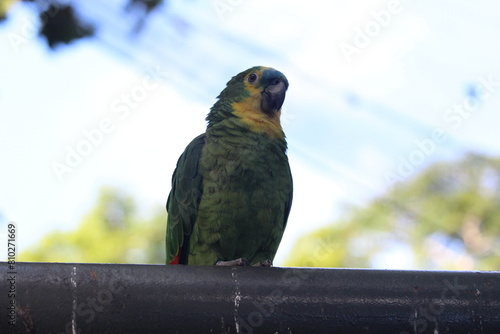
column 241, row 262
column 265, row 263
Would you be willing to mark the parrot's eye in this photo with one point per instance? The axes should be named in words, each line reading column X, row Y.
column 252, row 78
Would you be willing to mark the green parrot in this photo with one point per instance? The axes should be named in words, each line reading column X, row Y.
column 232, row 187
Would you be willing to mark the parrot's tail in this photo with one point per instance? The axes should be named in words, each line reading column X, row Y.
column 175, row 260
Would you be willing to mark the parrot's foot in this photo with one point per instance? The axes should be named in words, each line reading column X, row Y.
column 265, row 263
column 242, row 262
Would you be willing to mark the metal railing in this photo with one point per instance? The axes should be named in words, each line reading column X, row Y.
column 115, row 298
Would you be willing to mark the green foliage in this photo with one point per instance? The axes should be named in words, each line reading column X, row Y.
column 109, row 233
column 448, row 217
column 57, row 16
column 5, row 7
column 60, row 23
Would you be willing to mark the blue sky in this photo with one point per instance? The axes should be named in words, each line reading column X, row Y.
column 419, row 83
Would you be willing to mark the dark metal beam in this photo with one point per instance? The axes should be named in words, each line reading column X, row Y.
column 113, row 298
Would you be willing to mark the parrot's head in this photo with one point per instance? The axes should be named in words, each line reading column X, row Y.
column 255, row 97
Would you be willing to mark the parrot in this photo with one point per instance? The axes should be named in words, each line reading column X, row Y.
column 232, row 186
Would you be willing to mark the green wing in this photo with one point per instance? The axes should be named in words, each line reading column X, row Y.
column 288, row 203
column 183, row 201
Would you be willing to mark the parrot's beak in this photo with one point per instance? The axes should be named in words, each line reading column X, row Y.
column 273, row 96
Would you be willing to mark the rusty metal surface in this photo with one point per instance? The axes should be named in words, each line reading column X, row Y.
column 111, row 298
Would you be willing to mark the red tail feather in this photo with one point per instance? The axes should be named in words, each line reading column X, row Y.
column 176, row 259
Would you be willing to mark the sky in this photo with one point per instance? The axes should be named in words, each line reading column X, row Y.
column 378, row 91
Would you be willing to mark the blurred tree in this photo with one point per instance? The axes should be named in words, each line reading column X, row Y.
column 145, row 7
column 60, row 23
column 109, row 233
column 4, row 8
column 448, row 217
